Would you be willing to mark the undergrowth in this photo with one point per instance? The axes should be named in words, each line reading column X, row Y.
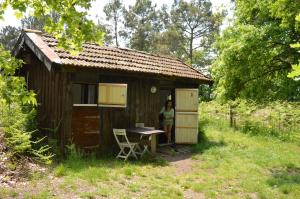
column 278, row 119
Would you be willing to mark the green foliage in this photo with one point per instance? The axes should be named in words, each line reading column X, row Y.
column 71, row 28
column 205, row 92
column 9, row 36
column 196, row 24
column 277, row 119
column 186, row 30
column 296, row 68
column 255, row 55
column 141, row 24
column 60, row 170
column 113, row 11
column 74, row 153
column 18, row 113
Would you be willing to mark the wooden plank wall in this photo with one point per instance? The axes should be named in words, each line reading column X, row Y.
column 54, row 99
column 85, row 127
column 54, row 95
column 142, row 106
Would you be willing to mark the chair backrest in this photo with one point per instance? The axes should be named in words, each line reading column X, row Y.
column 139, row 124
column 119, row 134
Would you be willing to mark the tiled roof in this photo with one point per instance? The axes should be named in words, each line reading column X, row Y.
column 121, row 59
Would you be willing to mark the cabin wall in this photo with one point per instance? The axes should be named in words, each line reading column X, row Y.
column 92, row 126
column 142, row 106
column 53, row 96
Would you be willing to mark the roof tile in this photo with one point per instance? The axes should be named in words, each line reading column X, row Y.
column 96, row 56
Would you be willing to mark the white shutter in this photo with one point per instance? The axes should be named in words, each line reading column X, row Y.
column 186, row 100
column 186, row 116
column 112, row 95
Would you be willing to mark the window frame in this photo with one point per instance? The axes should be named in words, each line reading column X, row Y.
column 95, row 95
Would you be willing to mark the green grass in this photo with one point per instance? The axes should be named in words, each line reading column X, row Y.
column 226, row 164
column 239, row 165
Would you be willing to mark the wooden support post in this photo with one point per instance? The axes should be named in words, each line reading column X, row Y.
column 153, row 143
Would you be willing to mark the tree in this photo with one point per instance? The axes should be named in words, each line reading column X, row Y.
column 9, row 36
column 16, row 102
column 255, row 55
column 166, row 41
column 113, row 11
column 295, row 73
column 108, row 39
column 197, row 25
column 141, row 24
column 72, row 27
column 32, row 22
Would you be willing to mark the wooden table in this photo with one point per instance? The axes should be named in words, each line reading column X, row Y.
column 147, row 132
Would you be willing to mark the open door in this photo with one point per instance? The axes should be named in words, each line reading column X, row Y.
column 186, row 116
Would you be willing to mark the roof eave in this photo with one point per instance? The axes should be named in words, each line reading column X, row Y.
column 43, row 52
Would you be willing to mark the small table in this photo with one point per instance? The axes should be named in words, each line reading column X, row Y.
column 146, row 131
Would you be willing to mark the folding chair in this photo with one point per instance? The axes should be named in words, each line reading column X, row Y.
column 123, row 142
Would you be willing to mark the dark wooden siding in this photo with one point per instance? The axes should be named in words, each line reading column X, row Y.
column 85, row 126
column 142, row 106
column 54, row 98
column 55, row 108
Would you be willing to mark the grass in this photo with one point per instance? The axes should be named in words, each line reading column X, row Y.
column 226, row 164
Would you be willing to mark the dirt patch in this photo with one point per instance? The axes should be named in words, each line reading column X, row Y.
column 14, row 170
column 192, row 194
column 179, row 157
column 183, row 163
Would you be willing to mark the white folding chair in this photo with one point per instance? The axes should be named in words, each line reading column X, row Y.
column 123, row 142
column 142, row 146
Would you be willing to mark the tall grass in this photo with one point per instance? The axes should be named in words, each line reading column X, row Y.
column 277, row 119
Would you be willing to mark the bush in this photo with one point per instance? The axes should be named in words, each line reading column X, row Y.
column 18, row 113
column 276, row 119
column 60, row 170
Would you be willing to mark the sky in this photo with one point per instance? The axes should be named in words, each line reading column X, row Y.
column 97, row 10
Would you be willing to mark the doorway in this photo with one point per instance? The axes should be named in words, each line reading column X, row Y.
column 165, row 94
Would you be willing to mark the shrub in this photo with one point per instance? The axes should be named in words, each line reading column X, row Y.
column 276, row 119
column 60, row 170
column 18, row 114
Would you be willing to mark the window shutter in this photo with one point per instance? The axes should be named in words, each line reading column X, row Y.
column 112, row 95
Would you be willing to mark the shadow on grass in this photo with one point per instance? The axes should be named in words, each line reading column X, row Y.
column 79, row 162
column 285, row 178
column 203, row 142
column 206, row 145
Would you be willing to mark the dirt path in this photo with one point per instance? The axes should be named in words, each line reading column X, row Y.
column 180, row 159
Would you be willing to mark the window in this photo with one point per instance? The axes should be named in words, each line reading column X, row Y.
column 84, row 94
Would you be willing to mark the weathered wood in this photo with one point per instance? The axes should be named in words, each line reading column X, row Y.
column 84, row 121
column 55, row 95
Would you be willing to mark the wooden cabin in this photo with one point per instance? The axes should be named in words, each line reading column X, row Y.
column 85, row 96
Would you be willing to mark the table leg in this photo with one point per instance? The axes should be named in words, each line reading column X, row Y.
column 153, row 143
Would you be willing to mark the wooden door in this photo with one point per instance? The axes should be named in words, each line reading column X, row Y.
column 186, row 116
column 85, row 127
column 186, row 100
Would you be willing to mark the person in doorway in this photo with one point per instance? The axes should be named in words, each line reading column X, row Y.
column 168, row 118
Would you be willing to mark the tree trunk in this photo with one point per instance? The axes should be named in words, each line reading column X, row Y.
column 116, row 30
column 191, row 46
